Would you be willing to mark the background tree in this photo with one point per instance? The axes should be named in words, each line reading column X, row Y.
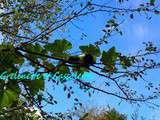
column 100, row 114
column 27, row 27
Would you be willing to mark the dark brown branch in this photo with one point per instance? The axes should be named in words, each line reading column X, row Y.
column 10, row 33
column 113, row 94
column 126, row 98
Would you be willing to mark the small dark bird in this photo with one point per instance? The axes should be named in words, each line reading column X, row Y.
column 74, row 59
column 85, row 60
column 88, row 60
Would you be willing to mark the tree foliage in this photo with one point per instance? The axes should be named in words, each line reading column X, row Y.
column 27, row 27
column 96, row 114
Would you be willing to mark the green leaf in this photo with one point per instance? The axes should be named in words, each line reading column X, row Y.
column 38, row 48
column 44, row 52
column 35, row 85
column 90, row 49
column 125, row 62
column 58, row 9
column 8, row 96
column 9, row 57
column 29, row 47
column 9, row 93
column 112, row 21
column 152, row 2
column 109, row 58
column 81, row 71
column 63, row 69
column 49, row 66
column 59, row 46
